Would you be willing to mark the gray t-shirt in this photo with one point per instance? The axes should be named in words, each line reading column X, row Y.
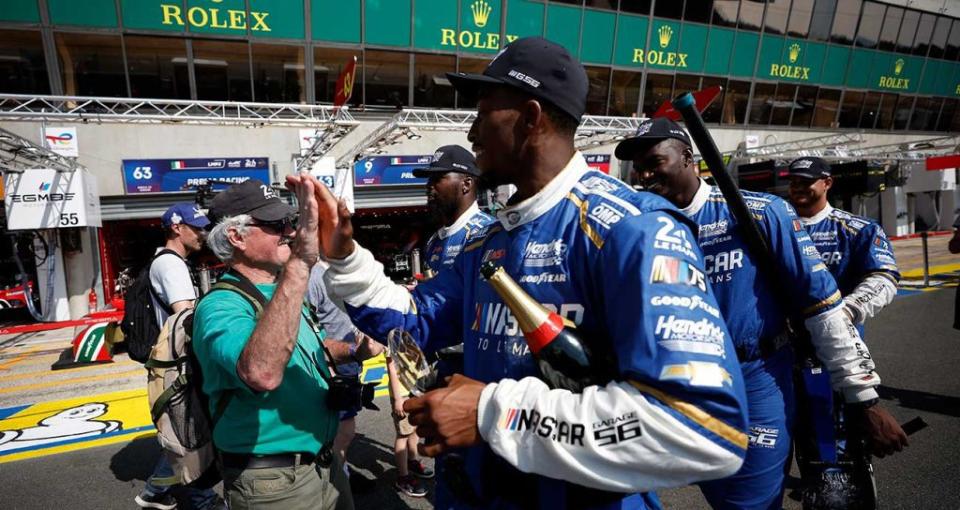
column 170, row 279
column 334, row 320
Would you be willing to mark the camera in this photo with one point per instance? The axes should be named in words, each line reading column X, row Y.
column 347, row 393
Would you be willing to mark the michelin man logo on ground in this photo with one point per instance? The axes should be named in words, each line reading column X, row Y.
column 74, row 423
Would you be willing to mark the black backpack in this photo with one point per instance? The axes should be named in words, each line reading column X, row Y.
column 139, row 325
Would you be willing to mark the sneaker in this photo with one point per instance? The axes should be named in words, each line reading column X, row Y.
column 159, row 501
column 419, row 469
column 411, row 486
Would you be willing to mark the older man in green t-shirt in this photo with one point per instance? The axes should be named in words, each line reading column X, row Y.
column 266, row 373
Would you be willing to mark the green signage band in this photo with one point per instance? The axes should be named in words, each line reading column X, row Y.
column 482, row 27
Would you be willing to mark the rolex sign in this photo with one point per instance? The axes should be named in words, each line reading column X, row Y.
column 44, row 198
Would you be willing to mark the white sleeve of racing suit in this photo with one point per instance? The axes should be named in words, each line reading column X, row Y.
column 358, row 279
column 841, row 350
column 871, row 295
column 614, row 437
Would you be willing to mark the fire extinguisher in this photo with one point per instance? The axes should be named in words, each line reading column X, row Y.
column 92, row 300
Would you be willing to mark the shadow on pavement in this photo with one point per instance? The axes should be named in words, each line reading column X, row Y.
column 136, row 459
column 922, row 401
column 371, row 457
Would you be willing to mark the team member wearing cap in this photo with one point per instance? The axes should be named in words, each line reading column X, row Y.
column 270, row 365
column 621, row 264
column 860, row 258
column 453, row 180
column 172, row 290
column 663, row 157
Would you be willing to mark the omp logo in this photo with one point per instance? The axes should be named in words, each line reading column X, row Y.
column 544, row 254
column 605, row 215
column 45, row 186
column 794, row 53
column 670, row 270
column 547, row 427
column 665, row 34
column 496, row 318
column 481, row 13
column 898, row 66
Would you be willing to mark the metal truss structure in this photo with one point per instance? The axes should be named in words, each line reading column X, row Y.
column 18, row 154
column 155, row 111
column 594, row 130
column 822, row 146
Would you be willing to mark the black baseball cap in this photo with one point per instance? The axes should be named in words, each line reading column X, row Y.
column 649, row 133
column 251, row 197
column 810, row 167
column 536, row 66
column 450, row 158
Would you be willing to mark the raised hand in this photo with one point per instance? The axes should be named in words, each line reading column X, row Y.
column 306, row 244
column 336, row 230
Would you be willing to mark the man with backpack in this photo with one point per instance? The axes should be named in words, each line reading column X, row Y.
column 171, row 290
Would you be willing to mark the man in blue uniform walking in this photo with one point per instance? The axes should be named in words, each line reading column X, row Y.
column 663, row 159
column 860, row 258
column 620, row 264
column 452, row 202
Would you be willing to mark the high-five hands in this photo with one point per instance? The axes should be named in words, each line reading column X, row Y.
column 336, row 230
column 306, row 244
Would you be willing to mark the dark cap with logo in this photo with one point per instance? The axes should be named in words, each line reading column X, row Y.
column 536, row 66
column 810, row 167
column 649, row 133
column 184, row 213
column 251, row 197
column 450, row 158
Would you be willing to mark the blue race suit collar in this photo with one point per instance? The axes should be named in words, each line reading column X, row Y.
column 817, row 218
column 533, row 207
column 445, row 232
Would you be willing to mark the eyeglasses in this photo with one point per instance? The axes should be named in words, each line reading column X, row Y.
column 279, row 226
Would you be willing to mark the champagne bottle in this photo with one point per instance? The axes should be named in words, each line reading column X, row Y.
column 564, row 359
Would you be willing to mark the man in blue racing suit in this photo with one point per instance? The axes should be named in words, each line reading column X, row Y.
column 860, row 258
column 663, row 157
column 620, row 264
column 452, row 202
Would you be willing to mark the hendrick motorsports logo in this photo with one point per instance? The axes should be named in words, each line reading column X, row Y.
column 544, row 254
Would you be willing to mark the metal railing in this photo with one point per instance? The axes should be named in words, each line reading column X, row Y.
column 18, row 154
column 118, row 109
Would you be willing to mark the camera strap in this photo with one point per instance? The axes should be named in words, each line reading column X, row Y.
column 248, row 287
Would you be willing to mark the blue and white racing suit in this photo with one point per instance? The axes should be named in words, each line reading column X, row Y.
column 860, row 258
column 757, row 323
column 623, row 266
column 447, row 242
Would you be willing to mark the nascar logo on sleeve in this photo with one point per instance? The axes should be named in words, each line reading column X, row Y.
column 672, row 270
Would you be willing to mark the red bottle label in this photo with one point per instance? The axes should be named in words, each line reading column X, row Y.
column 545, row 333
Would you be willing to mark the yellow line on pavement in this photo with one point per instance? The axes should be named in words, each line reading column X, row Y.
column 918, row 273
column 20, row 358
column 76, row 380
column 98, row 366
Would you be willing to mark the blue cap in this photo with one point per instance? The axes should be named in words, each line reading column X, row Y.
column 184, row 212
